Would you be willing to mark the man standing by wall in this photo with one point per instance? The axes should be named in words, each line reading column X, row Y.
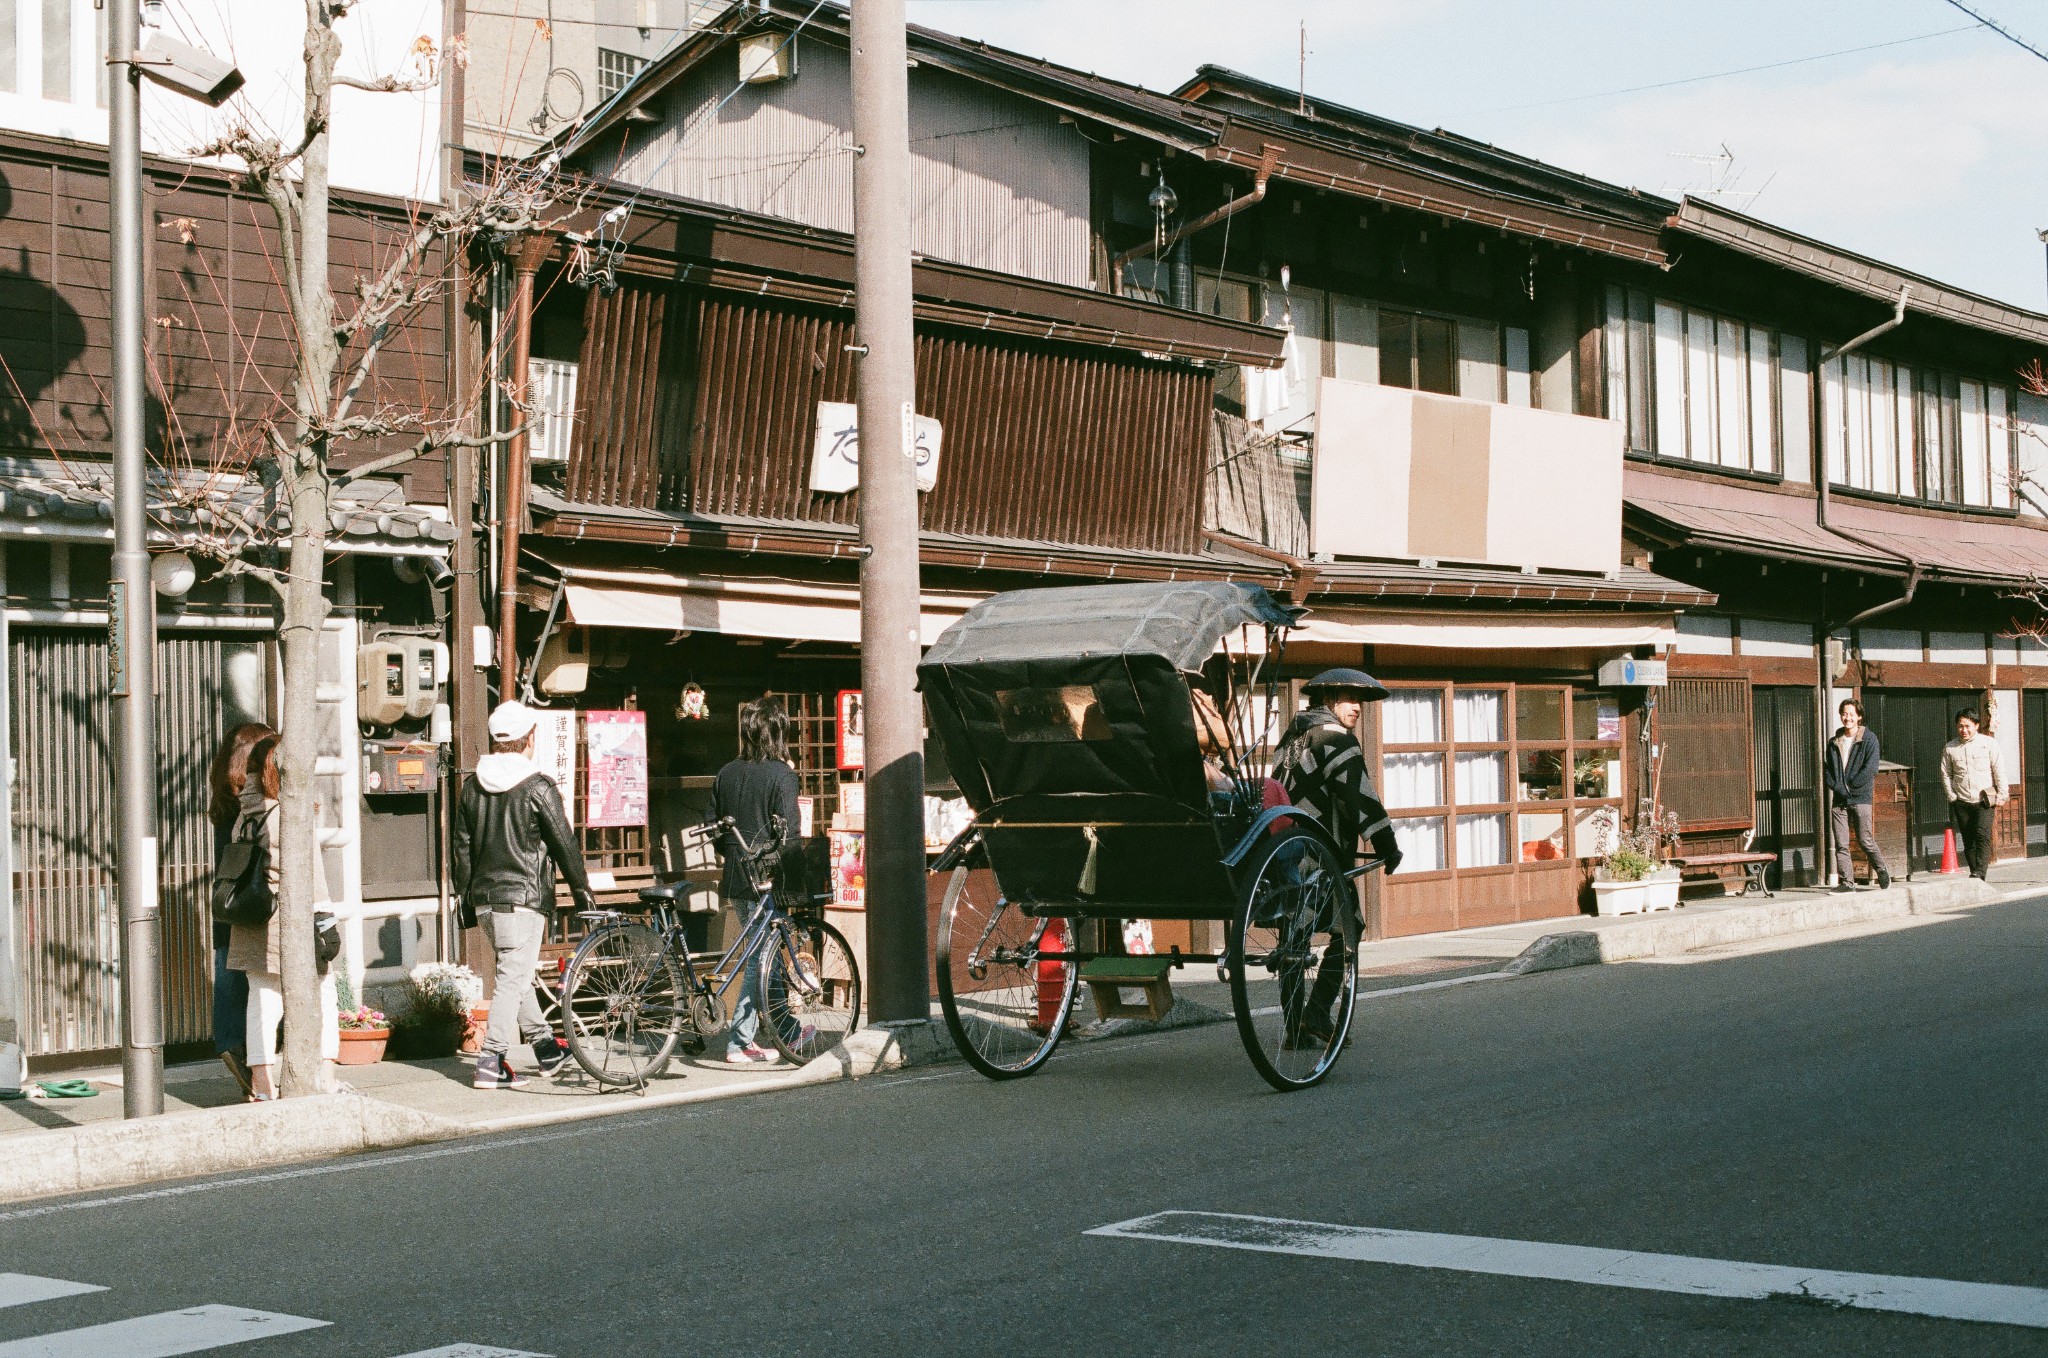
column 1975, row 784
column 509, row 828
column 1851, row 775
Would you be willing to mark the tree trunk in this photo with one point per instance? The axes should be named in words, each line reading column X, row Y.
column 305, row 595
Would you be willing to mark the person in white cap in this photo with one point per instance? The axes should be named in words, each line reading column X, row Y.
column 510, row 833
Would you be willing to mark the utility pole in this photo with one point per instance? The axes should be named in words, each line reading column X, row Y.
column 131, row 603
column 898, row 959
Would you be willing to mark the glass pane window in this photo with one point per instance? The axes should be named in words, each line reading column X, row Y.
column 1413, row 780
column 1481, row 778
column 1479, row 716
column 1539, row 714
column 57, row 50
column 1421, row 840
column 1596, row 717
column 1541, row 776
column 1541, row 836
column 1412, row 717
column 1483, row 840
column 1436, row 355
column 1596, row 830
column 1596, row 773
column 1693, row 385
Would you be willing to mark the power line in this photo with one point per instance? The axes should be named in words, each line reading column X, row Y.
column 2000, row 30
column 1746, row 70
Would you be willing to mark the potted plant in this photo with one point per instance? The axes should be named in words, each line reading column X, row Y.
column 1631, row 878
column 364, row 1031
column 439, row 996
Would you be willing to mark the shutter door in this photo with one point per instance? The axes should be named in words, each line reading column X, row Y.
column 1704, row 727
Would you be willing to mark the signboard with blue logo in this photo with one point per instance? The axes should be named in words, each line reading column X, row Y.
column 1628, row 672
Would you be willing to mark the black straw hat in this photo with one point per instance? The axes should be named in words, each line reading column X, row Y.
column 1340, row 679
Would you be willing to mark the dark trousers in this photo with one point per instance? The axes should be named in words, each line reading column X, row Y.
column 1973, row 822
column 1862, row 819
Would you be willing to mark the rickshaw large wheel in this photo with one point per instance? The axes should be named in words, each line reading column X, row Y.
column 1006, row 1009
column 1292, row 954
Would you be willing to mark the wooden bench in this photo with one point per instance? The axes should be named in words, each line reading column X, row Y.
column 1753, row 865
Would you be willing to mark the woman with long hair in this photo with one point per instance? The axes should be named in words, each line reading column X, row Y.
column 755, row 790
column 257, row 949
column 226, row 776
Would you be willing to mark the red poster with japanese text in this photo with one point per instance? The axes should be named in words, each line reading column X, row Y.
column 615, row 753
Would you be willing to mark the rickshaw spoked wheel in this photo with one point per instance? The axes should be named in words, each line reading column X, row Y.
column 1005, row 1009
column 1292, row 955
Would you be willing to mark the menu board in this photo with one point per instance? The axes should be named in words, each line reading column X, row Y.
column 615, row 752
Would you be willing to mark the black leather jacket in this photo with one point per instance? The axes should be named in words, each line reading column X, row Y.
column 503, row 844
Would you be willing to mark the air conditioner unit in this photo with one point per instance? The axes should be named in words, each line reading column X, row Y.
column 551, row 394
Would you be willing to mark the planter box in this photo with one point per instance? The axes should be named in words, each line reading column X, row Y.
column 1661, row 889
column 362, row 1046
column 1620, row 898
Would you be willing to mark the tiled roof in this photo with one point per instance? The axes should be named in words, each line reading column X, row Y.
column 78, row 503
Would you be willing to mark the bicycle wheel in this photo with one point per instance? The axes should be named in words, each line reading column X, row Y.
column 624, row 1004
column 1292, row 955
column 1006, row 1009
column 810, row 989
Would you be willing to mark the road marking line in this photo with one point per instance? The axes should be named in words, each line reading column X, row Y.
column 19, row 1289
column 1991, row 1303
column 196, row 1329
column 473, row 1351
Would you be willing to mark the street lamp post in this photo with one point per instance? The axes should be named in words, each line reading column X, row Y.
column 131, row 604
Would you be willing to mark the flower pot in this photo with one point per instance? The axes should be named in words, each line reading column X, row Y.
column 363, row 1046
column 427, row 1041
column 1619, row 898
column 1660, row 890
column 473, row 1030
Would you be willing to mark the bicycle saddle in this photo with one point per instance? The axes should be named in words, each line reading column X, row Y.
column 668, row 893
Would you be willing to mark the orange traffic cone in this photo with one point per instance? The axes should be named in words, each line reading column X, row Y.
column 1948, row 851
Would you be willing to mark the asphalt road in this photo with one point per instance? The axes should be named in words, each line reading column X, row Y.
column 1875, row 1104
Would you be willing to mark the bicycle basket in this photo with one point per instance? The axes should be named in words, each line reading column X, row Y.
column 803, row 879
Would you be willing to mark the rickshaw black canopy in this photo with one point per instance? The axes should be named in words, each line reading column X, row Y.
column 1080, row 692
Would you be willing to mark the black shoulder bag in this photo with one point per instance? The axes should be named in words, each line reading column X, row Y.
column 241, row 880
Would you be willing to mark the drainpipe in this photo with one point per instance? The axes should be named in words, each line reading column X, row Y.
column 1303, row 574
column 1267, row 161
column 1824, row 685
column 512, row 509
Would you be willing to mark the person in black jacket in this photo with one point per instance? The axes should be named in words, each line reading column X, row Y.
column 1322, row 766
column 510, row 833
column 1851, row 777
column 756, row 790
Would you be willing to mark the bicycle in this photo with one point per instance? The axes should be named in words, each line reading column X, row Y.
column 632, row 988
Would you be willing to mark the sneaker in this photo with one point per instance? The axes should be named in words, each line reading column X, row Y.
column 551, row 1054
column 493, row 1073
column 749, row 1055
column 1884, row 879
column 1306, row 1038
column 1842, row 888
column 805, row 1036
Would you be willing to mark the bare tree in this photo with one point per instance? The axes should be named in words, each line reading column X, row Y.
column 336, row 345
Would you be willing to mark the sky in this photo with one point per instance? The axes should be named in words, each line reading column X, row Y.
column 1924, row 149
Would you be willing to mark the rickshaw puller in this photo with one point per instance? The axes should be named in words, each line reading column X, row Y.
column 1322, row 766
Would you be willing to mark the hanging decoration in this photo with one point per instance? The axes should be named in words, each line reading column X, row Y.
column 693, row 705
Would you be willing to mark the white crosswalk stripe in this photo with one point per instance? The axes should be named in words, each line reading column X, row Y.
column 166, row 1334
column 19, row 1289
column 194, row 1329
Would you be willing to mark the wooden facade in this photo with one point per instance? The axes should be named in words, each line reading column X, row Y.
column 220, row 357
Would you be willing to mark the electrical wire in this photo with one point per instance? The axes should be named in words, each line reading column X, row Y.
column 1999, row 29
column 1745, row 70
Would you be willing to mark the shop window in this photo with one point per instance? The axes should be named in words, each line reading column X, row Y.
column 1516, row 775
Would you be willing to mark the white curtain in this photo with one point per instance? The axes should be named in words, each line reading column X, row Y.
column 1479, row 715
column 1422, row 844
column 1413, row 780
column 1482, row 840
column 1482, row 779
column 1412, row 717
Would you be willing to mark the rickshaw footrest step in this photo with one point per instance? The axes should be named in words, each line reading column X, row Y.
column 1127, row 970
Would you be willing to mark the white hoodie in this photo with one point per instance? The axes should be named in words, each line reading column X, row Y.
column 503, row 772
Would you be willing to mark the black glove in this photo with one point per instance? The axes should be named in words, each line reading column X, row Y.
column 584, row 900
column 1392, row 859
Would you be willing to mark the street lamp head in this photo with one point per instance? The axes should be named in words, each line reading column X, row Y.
column 189, row 71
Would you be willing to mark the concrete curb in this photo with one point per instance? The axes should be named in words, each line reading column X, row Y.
column 209, row 1141
column 1669, row 935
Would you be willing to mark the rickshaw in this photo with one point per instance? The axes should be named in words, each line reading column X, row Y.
column 1067, row 718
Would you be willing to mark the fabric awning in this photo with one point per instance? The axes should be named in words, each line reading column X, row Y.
column 735, row 606
column 1470, row 631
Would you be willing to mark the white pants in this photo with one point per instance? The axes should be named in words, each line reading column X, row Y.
column 266, row 1011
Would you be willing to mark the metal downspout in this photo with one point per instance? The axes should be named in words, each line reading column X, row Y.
column 1824, row 680
column 1267, row 161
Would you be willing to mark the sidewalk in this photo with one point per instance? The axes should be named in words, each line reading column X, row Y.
column 407, row 1102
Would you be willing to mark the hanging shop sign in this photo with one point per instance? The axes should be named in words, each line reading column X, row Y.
column 615, row 750
column 853, row 746
column 835, row 454
column 1628, row 672
column 554, row 753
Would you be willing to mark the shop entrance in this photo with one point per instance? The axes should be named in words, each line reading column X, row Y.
column 1912, row 725
column 1787, row 778
column 2034, row 762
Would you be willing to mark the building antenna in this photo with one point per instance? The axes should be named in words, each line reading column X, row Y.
column 1301, row 88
